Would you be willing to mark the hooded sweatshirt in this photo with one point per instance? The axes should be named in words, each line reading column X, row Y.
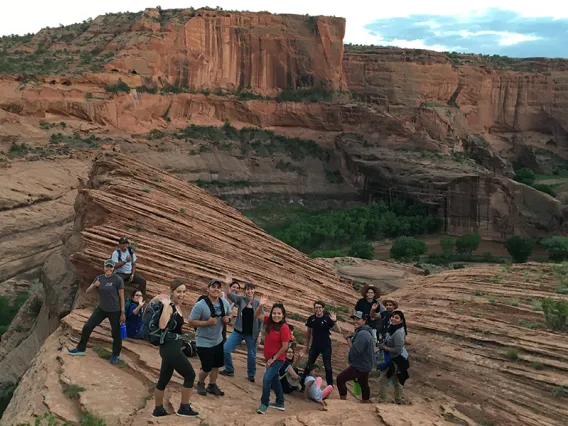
column 361, row 355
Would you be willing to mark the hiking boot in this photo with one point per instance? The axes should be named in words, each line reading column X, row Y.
column 277, row 406
column 185, row 410
column 366, row 401
column 227, row 373
column 159, row 412
column 114, row 359
column 201, row 389
column 214, row 389
column 251, row 379
column 262, row 409
column 75, row 352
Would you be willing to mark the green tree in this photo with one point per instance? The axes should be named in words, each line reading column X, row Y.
column 362, row 250
column 525, row 175
column 467, row 244
column 547, row 189
column 556, row 313
column 520, row 248
column 447, row 243
column 557, row 248
column 407, row 249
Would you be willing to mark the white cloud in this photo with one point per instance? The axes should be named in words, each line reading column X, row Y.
column 505, row 38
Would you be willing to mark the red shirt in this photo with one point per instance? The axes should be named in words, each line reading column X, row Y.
column 273, row 340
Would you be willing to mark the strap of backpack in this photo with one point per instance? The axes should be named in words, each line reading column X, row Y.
column 119, row 255
column 212, row 308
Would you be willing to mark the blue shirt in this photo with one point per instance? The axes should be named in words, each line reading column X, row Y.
column 211, row 335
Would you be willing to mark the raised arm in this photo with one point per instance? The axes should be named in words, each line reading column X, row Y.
column 95, row 284
column 258, row 313
column 333, row 317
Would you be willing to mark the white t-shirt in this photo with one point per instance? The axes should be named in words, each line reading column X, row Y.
column 127, row 267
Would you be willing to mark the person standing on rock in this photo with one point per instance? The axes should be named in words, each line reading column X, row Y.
column 125, row 265
column 173, row 359
column 208, row 316
column 398, row 368
column 276, row 338
column 111, row 305
column 318, row 332
column 361, row 358
column 370, row 298
column 247, row 327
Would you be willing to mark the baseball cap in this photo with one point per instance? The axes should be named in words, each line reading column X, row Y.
column 359, row 315
column 123, row 240
column 109, row 262
column 212, row 282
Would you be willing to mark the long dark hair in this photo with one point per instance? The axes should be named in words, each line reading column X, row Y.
column 271, row 324
column 309, row 369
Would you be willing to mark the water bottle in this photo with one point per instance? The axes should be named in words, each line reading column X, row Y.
column 123, row 331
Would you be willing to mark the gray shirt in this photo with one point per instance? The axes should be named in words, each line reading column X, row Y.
column 109, row 301
column 211, row 335
column 396, row 341
column 361, row 353
column 242, row 302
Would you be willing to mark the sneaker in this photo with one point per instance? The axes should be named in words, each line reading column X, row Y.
column 214, row 389
column 251, row 379
column 201, row 389
column 75, row 352
column 185, row 410
column 277, row 406
column 114, row 359
column 262, row 409
column 159, row 412
column 226, row 373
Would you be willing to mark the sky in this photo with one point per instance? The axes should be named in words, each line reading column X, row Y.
column 521, row 28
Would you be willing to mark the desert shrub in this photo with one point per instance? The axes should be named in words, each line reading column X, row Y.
column 447, row 243
column 120, row 86
column 520, row 248
column 556, row 314
column 557, row 248
column 525, row 175
column 440, row 258
column 407, row 249
column 467, row 244
column 362, row 250
column 542, row 187
column 326, row 253
column 72, row 391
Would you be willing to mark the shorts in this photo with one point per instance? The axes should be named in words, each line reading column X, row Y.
column 211, row 358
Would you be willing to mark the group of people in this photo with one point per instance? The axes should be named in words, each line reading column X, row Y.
column 376, row 343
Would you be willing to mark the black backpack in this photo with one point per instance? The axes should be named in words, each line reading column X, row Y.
column 120, row 254
column 151, row 325
column 211, row 307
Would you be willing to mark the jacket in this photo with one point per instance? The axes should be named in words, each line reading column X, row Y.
column 361, row 353
column 241, row 302
column 396, row 342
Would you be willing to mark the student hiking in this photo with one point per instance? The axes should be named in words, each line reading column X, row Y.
column 361, row 358
column 318, row 332
column 173, row 359
column 134, row 311
column 289, row 375
column 384, row 317
column 111, row 305
column 246, row 327
column 313, row 383
column 208, row 316
column 124, row 260
column 397, row 371
column 276, row 337
column 370, row 298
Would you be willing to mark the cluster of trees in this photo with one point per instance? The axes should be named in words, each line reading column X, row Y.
column 528, row 177
column 327, row 233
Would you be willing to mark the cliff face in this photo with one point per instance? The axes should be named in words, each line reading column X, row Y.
column 523, row 96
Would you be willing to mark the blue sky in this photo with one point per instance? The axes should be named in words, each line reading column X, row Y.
column 505, row 27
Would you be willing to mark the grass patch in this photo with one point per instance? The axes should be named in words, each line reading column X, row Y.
column 559, row 392
column 107, row 355
column 300, row 337
column 296, row 316
column 512, row 354
column 528, row 324
column 537, row 365
column 72, row 391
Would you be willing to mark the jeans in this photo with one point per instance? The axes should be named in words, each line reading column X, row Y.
column 232, row 342
column 95, row 319
column 271, row 380
column 325, row 351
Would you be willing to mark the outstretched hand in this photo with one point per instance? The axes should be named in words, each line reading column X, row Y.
column 97, row 283
column 333, row 316
column 165, row 299
column 228, row 278
column 264, row 301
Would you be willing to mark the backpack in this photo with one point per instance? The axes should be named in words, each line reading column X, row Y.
column 120, row 253
column 211, row 307
column 189, row 348
column 151, row 325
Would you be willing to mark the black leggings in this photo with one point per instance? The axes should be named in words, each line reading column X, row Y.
column 174, row 359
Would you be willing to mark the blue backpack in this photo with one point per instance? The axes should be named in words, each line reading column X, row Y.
column 151, row 325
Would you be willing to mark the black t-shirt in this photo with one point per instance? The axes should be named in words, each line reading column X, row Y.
column 364, row 306
column 320, row 330
column 248, row 320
